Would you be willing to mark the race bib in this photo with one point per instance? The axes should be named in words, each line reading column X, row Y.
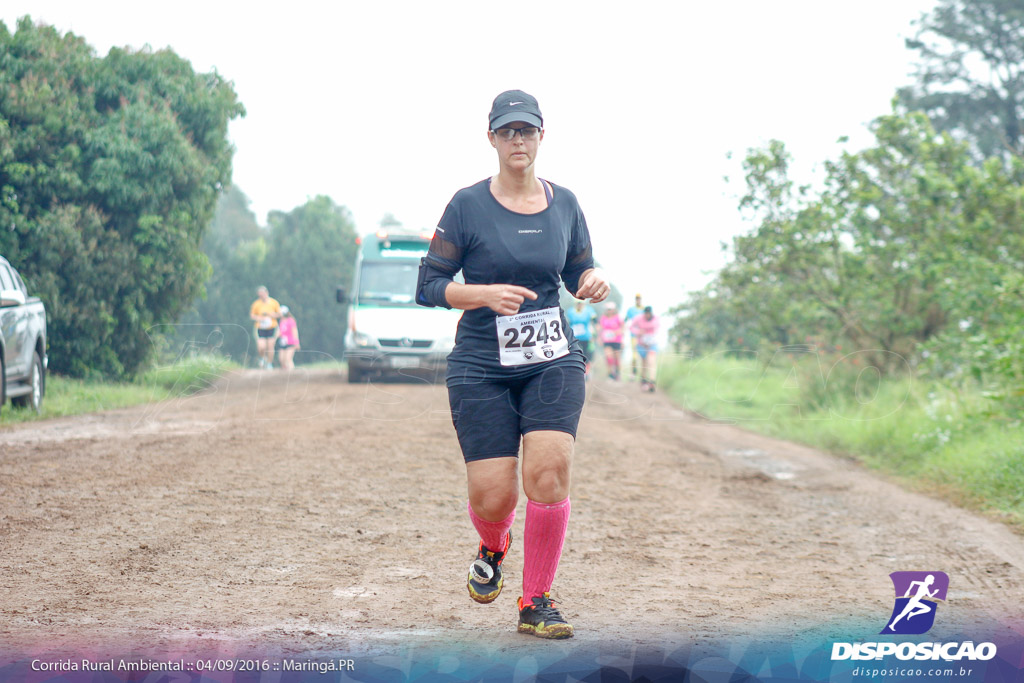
column 266, row 323
column 534, row 337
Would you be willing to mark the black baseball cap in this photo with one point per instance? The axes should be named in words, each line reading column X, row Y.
column 515, row 105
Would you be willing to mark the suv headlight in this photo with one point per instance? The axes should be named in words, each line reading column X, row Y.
column 363, row 340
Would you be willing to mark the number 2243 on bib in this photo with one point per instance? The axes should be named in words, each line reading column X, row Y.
column 533, row 337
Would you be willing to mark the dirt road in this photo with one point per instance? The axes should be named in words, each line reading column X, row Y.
column 306, row 515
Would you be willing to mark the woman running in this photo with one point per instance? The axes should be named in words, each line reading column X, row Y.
column 611, row 339
column 645, row 329
column 581, row 319
column 516, row 372
column 287, row 340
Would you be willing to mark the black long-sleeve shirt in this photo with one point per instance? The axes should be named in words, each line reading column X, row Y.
column 494, row 245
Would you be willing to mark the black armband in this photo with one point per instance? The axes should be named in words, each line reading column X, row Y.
column 431, row 283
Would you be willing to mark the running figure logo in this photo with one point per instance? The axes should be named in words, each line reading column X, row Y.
column 917, row 598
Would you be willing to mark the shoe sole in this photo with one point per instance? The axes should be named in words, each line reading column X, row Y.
column 552, row 632
column 484, row 598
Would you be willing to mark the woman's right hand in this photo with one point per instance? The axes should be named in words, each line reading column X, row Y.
column 502, row 299
column 506, row 299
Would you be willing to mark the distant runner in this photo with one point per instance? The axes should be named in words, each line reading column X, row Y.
column 611, row 338
column 632, row 312
column 581, row 320
column 265, row 313
column 287, row 340
column 645, row 329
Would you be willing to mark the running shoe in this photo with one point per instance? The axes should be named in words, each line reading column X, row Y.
column 543, row 619
column 485, row 580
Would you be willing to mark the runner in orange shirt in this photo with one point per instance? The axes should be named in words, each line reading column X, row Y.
column 265, row 313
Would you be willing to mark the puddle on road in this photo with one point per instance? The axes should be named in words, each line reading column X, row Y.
column 763, row 462
column 100, row 428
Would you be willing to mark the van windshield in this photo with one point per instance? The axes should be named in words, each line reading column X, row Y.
column 388, row 282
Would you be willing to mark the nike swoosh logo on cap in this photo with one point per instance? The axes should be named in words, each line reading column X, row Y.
column 512, row 104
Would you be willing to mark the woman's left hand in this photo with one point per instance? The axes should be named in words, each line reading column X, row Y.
column 593, row 286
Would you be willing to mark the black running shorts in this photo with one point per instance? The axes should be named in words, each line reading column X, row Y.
column 267, row 333
column 491, row 416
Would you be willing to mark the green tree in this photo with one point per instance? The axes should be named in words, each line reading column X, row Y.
column 711, row 319
column 233, row 224
column 311, row 251
column 785, row 275
column 110, row 169
column 302, row 258
column 970, row 78
column 236, row 247
column 904, row 246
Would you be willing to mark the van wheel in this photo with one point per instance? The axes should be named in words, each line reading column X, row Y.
column 34, row 398
column 355, row 375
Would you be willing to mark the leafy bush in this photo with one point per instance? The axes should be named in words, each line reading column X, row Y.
column 110, row 169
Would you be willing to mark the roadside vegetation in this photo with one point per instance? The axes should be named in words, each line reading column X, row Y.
column 119, row 212
column 948, row 440
column 880, row 312
column 110, row 171
column 70, row 396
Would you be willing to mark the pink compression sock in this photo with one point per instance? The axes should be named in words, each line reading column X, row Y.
column 543, row 539
column 492, row 533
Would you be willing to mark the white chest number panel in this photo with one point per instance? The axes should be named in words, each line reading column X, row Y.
column 533, row 337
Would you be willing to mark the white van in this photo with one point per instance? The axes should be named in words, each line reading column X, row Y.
column 388, row 333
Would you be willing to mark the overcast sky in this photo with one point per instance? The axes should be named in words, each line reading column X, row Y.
column 383, row 105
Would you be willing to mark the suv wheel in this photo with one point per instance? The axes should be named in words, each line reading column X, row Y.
column 34, row 398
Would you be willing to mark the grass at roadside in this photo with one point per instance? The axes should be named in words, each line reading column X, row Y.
column 66, row 396
column 336, row 365
column 945, row 442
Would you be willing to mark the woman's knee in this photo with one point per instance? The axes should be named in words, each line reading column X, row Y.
column 494, row 507
column 493, row 487
column 547, row 466
column 548, row 485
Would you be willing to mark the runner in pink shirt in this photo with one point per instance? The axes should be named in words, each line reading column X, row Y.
column 645, row 329
column 287, row 339
column 612, row 329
